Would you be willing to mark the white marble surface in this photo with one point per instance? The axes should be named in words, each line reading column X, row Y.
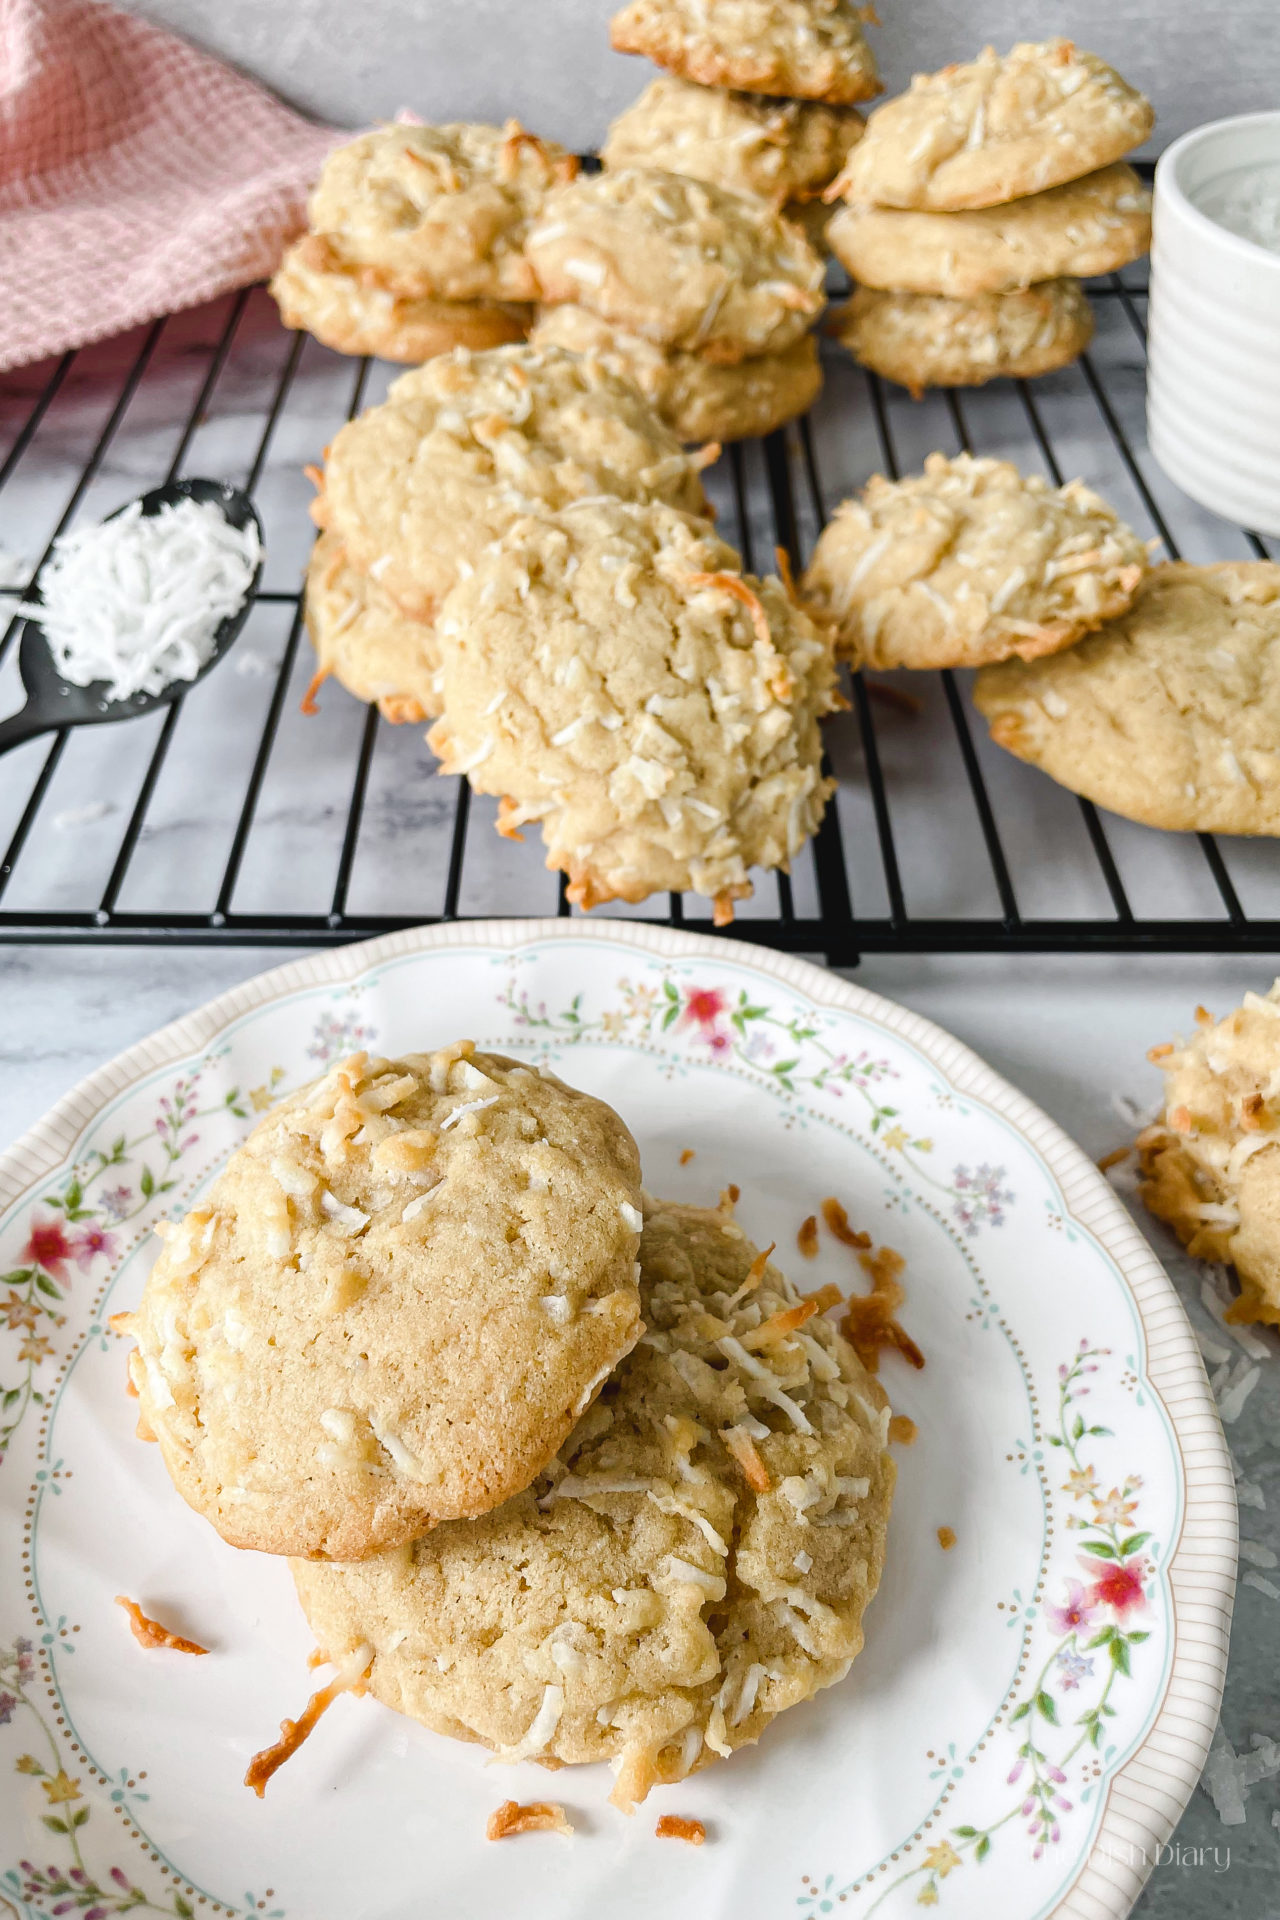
column 1071, row 1033
column 549, row 60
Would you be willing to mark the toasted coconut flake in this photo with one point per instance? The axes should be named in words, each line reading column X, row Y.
column 869, row 1323
column 318, row 679
column 510, row 831
column 902, row 1429
column 779, row 1326
column 946, row 1538
column 675, row 1826
column 686, row 1156
column 1180, row 1120
column 401, row 709
column 315, row 475
column 756, row 1271
column 827, row 1296
column 121, row 1323
column 744, row 1450
column 149, row 1633
column 837, row 1223
column 294, row 1732
column 637, row 1771
column 737, row 589
column 538, row 1816
column 706, row 456
column 807, row 1238
column 1113, row 1158
column 1161, row 1052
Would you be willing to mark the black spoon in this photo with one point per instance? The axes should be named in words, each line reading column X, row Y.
column 53, row 702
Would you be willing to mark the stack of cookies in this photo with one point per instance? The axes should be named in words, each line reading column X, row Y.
column 974, row 204
column 704, row 298
column 516, row 545
column 401, row 1343
column 756, row 102
column 416, row 240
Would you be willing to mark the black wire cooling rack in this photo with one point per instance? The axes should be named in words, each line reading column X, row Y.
column 229, row 818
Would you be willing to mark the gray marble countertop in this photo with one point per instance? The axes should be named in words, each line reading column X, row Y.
column 1072, row 1033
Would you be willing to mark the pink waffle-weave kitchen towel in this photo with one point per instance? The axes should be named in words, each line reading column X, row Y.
column 137, row 175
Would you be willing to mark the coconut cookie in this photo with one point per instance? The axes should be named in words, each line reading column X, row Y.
column 1085, row 227
column 777, row 150
column 801, row 49
column 698, row 399
column 352, row 314
column 402, row 1291
column 1211, row 1163
column 697, row 1559
column 1003, row 126
column 970, row 562
column 924, row 340
column 614, row 674
column 439, row 212
column 1171, row 714
column 361, row 637
column 680, row 261
column 419, row 486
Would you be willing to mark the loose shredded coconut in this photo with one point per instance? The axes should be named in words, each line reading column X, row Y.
column 137, row 602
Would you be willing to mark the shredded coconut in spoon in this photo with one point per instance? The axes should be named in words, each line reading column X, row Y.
column 137, row 602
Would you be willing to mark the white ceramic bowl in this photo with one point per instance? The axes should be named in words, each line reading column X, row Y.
column 1213, row 382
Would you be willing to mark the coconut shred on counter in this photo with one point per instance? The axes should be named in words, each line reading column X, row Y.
column 1246, row 201
column 137, row 601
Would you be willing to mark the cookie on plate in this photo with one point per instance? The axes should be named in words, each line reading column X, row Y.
column 699, row 399
column 347, row 310
column 1085, row 227
column 361, row 637
column 925, row 340
column 1211, row 1163
column 614, row 675
column 439, row 212
column 1169, row 715
column 401, row 1292
column 801, row 49
column 698, row 1558
column 969, row 562
column 1002, row 126
column 777, row 150
column 419, row 486
column 680, row 261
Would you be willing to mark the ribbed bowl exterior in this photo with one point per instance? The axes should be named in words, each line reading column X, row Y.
column 1213, row 379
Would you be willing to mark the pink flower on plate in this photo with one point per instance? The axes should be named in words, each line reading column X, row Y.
column 91, row 1242
column 703, row 1007
column 1076, row 1613
column 48, row 1247
column 1120, row 1585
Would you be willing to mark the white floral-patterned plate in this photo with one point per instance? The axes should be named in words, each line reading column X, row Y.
column 1032, row 1707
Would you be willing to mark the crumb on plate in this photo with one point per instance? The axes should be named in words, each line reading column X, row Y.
column 294, row 1732
column 149, row 1633
column 837, row 1221
column 946, row 1538
column 903, row 1429
column 674, row 1826
column 539, row 1816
